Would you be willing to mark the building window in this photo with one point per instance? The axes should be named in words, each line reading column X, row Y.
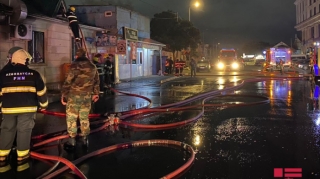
column 310, row 2
column 74, row 48
column 314, row 11
column 310, row 13
column 36, row 47
column 140, row 57
column 318, row 30
column 312, row 32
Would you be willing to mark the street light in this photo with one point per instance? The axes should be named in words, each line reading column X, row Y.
column 195, row 4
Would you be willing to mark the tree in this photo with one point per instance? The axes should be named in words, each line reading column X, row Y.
column 178, row 34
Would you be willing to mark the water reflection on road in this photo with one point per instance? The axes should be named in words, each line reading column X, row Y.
column 240, row 142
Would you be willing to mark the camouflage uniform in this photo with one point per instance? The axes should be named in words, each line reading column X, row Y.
column 81, row 82
column 78, row 105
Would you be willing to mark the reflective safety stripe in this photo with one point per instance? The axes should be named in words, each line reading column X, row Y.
column 0, row 104
column 72, row 16
column 42, row 92
column 19, row 110
column 22, row 153
column 4, row 153
column 18, row 89
column 23, row 167
column 73, row 21
column 5, row 168
column 45, row 104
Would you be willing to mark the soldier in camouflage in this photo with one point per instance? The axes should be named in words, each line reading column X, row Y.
column 80, row 88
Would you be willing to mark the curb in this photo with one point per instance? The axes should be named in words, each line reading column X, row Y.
column 168, row 79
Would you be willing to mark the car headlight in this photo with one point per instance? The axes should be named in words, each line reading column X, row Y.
column 235, row 65
column 220, row 65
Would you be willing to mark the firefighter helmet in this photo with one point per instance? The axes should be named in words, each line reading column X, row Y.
column 95, row 59
column 73, row 9
column 21, row 57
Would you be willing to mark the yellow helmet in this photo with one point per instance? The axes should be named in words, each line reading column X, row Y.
column 20, row 56
column 96, row 59
column 105, row 55
column 72, row 8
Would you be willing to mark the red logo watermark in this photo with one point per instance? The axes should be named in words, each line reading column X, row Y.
column 287, row 173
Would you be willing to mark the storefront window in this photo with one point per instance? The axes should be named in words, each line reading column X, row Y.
column 122, row 59
column 36, row 47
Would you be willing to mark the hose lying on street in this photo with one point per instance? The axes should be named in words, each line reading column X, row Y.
column 120, row 120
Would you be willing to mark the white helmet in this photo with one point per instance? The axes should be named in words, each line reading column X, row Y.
column 21, row 56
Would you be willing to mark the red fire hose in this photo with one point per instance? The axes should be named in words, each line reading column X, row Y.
column 165, row 108
column 142, row 143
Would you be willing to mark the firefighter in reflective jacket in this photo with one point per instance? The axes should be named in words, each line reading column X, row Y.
column 23, row 92
column 73, row 22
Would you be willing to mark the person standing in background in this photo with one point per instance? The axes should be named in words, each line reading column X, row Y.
column 193, row 67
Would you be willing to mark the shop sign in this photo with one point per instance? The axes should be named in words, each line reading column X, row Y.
column 89, row 39
column 121, row 47
column 130, row 34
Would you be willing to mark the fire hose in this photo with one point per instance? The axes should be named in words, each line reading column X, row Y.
column 115, row 120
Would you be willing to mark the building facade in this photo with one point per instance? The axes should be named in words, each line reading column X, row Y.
column 127, row 37
column 49, row 41
column 308, row 21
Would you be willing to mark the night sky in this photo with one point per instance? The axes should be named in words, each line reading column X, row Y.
column 229, row 22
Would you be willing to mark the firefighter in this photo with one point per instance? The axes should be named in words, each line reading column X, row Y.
column 108, row 72
column 167, row 65
column 73, row 22
column 80, row 88
column 23, row 92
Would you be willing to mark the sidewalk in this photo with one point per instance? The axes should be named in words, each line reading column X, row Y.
column 55, row 95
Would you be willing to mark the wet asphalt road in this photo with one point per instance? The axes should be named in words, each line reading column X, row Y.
column 231, row 143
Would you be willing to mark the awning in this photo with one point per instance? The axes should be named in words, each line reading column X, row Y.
column 150, row 41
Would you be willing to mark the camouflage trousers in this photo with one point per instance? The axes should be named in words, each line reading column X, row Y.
column 78, row 106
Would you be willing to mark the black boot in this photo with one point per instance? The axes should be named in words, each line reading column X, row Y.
column 70, row 145
column 85, row 141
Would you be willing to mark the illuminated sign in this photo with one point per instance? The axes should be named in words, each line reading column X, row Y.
column 130, row 34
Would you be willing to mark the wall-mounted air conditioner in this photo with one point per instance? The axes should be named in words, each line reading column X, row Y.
column 23, row 31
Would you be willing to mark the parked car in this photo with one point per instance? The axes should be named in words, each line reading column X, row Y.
column 203, row 65
column 304, row 64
